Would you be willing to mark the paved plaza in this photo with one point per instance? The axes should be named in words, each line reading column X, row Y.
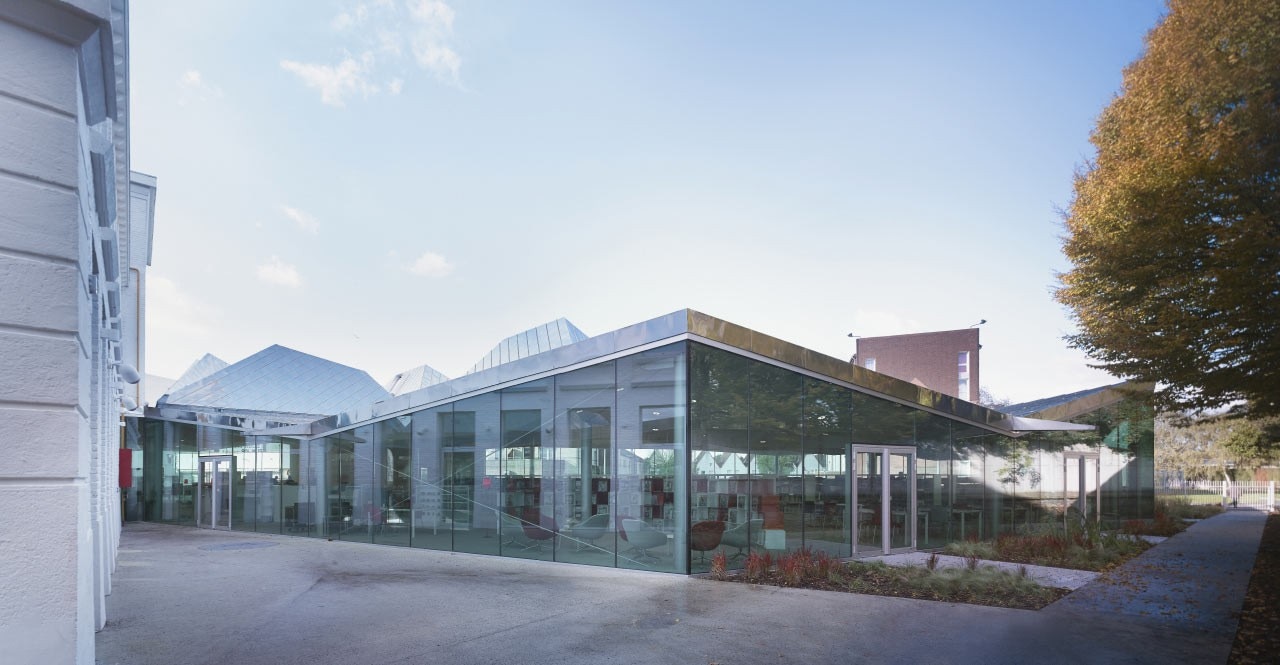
column 184, row 595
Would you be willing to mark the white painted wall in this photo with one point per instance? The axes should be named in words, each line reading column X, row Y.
column 63, row 97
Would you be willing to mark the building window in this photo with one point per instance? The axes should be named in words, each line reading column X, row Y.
column 869, row 363
column 962, row 363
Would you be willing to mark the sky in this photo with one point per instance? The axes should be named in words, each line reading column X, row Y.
column 391, row 183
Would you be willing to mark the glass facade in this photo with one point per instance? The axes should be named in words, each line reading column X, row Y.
column 655, row 459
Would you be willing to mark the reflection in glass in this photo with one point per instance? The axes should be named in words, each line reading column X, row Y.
column 649, row 493
column 290, row 499
column 870, row 493
column 902, row 522
column 718, row 398
column 827, row 433
column 443, row 475
column 312, row 493
column 472, row 472
column 265, row 485
column 392, row 460
column 968, row 493
column 584, row 450
column 933, row 480
column 529, row 522
column 774, row 503
column 245, row 475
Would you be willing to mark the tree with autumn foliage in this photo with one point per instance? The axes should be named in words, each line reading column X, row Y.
column 1174, row 228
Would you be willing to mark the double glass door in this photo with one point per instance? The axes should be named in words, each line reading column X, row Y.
column 213, row 503
column 886, row 499
column 1080, row 474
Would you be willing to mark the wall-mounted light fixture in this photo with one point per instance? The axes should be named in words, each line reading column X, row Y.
column 127, row 373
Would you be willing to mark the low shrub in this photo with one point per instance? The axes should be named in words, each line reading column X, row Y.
column 719, row 563
column 817, row 570
column 1178, row 508
column 1030, row 547
column 964, row 548
column 757, row 565
column 804, row 567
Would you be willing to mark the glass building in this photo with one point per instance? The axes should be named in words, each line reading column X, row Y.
column 651, row 447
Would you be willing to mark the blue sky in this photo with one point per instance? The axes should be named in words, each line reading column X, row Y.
column 386, row 184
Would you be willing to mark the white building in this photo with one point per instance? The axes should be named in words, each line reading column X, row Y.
column 75, row 237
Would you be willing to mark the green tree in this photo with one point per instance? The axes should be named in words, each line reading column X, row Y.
column 1193, row 447
column 1174, row 227
column 1248, row 444
column 1208, row 447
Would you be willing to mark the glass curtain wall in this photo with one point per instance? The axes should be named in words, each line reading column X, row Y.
column 349, row 490
column 473, row 472
column 584, row 464
column 828, row 429
column 442, row 484
column 392, row 460
column 478, row 471
column 968, row 492
column 265, row 484
column 933, row 480
column 650, row 480
column 529, row 522
column 169, row 476
column 313, row 505
column 878, row 422
column 719, row 511
column 244, row 501
column 776, row 414
column 291, row 466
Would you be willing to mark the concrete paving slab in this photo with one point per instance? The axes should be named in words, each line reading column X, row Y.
column 184, row 595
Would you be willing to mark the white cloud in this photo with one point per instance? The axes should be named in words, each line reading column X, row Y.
column 389, row 42
column 391, row 37
column 432, row 25
column 431, row 264
column 193, row 88
column 347, row 77
column 437, row 59
column 433, row 14
column 301, row 219
column 275, row 271
column 171, row 312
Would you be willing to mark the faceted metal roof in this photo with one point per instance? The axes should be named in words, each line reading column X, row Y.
column 206, row 365
column 533, row 341
column 278, row 379
column 1036, row 406
column 414, row 379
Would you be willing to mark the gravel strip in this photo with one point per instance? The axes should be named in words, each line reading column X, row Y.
column 1063, row 578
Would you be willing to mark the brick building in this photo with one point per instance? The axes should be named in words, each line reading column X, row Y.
column 945, row 361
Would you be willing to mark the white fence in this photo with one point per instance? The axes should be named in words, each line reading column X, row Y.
column 1259, row 495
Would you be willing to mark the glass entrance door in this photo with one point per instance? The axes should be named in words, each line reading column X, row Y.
column 1080, row 484
column 214, row 499
column 886, row 499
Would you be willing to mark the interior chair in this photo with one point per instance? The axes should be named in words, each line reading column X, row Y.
column 588, row 531
column 869, row 524
column 538, row 529
column 705, row 536
column 810, row 512
column 643, row 538
column 513, row 533
column 739, row 536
